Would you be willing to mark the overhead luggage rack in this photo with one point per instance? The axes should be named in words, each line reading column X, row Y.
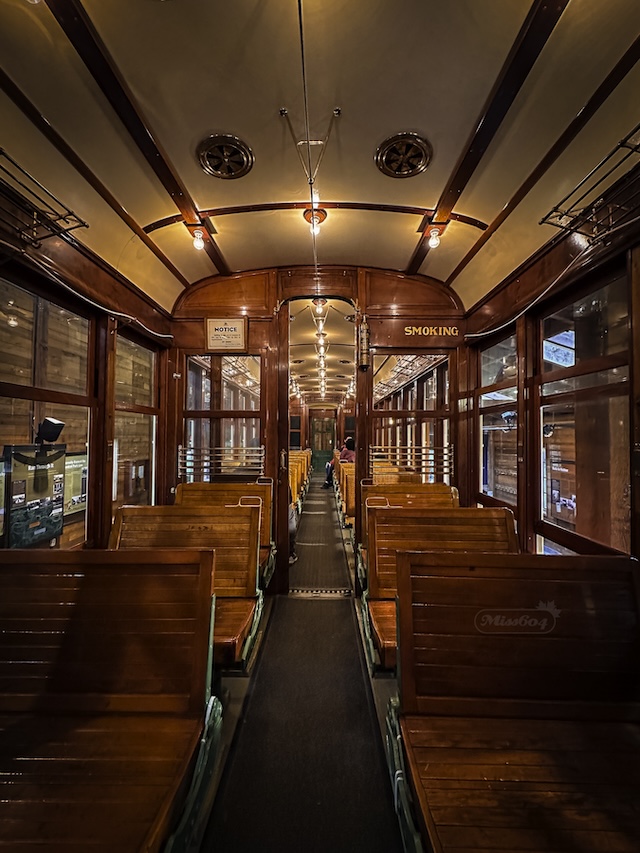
column 606, row 199
column 29, row 213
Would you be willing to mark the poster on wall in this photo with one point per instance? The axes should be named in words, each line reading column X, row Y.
column 229, row 335
column 75, row 483
column 35, row 493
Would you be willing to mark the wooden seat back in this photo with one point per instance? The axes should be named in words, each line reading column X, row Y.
column 435, row 529
column 105, row 631
column 208, row 494
column 519, row 635
column 233, row 531
column 404, row 495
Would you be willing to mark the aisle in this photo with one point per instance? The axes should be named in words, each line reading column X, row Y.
column 307, row 772
column 321, row 565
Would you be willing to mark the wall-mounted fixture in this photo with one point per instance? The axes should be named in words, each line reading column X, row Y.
column 363, row 344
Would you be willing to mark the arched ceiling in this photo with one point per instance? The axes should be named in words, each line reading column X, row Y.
column 106, row 103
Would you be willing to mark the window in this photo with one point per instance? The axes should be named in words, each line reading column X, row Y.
column 497, row 404
column 46, row 347
column 584, row 418
column 135, row 424
column 223, row 427
column 411, row 418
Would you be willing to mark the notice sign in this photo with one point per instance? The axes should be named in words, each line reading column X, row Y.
column 226, row 334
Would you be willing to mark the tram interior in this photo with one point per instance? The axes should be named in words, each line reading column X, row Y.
column 333, row 310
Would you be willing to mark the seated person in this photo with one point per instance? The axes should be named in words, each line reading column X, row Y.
column 347, row 454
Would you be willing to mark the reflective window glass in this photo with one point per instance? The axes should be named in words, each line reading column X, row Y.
column 495, row 398
column 585, row 469
column 133, row 459
column 62, row 343
column 498, row 363
column 499, row 456
column 17, row 320
column 135, row 374
column 587, row 380
column 592, row 327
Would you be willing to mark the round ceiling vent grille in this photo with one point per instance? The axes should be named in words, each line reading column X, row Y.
column 403, row 155
column 225, row 156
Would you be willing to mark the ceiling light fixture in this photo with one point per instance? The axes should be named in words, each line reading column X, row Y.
column 198, row 241
column 434, row 238
column 315, row 217
column 12, row 321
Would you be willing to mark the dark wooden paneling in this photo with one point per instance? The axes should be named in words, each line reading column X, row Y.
column 252, row 294
column 396, row 293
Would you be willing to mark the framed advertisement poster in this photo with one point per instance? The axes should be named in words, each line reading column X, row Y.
column 228, row 335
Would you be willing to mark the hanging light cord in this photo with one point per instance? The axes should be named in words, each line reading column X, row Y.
column 307, row 129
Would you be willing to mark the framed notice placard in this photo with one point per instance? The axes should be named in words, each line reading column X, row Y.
column 226, row 334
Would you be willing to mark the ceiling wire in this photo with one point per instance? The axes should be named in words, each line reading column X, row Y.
column 307, row 131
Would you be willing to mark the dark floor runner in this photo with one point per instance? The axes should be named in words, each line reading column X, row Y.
column 306, row 772
column 321, row 564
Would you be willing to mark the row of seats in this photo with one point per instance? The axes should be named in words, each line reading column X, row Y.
column 516, row 725
column 110, row 723
column 110, row 730
column 299, row 475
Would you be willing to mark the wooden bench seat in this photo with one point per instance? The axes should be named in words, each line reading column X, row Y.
column 108, row 728
column 397, row 494
column 519, row 703
column 233, row 531
column 219, row 493
column 434, row 528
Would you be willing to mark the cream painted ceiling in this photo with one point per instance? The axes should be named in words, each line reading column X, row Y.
column 519, row 100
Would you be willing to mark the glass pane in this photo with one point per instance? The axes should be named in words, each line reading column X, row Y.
column 133, row 459
column 585, row 469
column 393, row 373
column 16, row 334
column 16, row 421
column 546, row 546
column 498, row 363
column 135, row 374
column 588, row 380
column 62, row 349
column 493, row 398
column 198, row 382
column 499, row 457
column 595, row 326
column 228, row 382
column 241, row 382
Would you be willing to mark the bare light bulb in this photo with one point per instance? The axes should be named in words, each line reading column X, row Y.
column 198, row 242
column 434, row 238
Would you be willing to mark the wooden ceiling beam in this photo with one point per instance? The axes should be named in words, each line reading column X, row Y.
column 606, row 88
column 78, row 28
column 8, row 86
column 535, row 32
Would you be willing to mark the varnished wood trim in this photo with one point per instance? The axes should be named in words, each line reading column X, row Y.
column 533, row 35
column 425, row 213
column 613, row 80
